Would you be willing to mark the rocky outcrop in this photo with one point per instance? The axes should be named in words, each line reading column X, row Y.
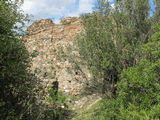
column 48, row 42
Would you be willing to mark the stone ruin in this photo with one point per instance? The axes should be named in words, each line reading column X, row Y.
column 39, row 26
column 44, row 40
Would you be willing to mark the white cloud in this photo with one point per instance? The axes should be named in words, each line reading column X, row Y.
column 113, row 6
column 57, row 8
column 85, row 6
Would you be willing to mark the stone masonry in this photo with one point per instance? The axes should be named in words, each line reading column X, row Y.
column 45, row 40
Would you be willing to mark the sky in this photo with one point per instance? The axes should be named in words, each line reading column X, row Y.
column 58, row 9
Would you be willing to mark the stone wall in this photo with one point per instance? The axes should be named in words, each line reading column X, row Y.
column 45, row 41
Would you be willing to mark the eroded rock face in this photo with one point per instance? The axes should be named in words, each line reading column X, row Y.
column 47, row 41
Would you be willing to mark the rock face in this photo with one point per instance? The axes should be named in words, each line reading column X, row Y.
column 48, row 42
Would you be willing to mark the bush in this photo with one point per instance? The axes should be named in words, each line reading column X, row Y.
column 138, row 92
column 109, row 109
column 140, row 85
column 57, row 107
column 17, row 84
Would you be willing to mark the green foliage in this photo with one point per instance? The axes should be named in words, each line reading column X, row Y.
column 35, row 53
column 112, row 41
column 138, row 95
column 109, row 109
column 57, row 106
column 113, row 110
column 17, row 84
column 59, row 99
column 157, row 13
column 138, row 92
column 87, row 114
column 121, row 49
column 151, row 49
column 99, row 51
column 140, row 85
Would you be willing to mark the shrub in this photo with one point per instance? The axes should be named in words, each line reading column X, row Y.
column 17, row 84
column 57, row 107
column 138, row 91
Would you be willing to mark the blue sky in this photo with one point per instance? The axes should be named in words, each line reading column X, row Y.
column 57, row 9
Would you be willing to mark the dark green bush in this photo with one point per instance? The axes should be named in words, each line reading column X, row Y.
column 138, row 95
column 17, row 84
column 138, row 92
column 140, row 85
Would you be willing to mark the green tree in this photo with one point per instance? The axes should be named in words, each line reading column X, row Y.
column 16, row 81
column 157, row 12
column 112, row 40
column 138, row 92
column 123, row 39
column 98, row 49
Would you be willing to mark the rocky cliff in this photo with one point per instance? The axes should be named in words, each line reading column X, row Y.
column 46, row 42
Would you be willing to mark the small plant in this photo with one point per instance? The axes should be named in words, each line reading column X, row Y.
column 35, row 53
column 52, row 68
column 56, row 105
column 73, row 98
